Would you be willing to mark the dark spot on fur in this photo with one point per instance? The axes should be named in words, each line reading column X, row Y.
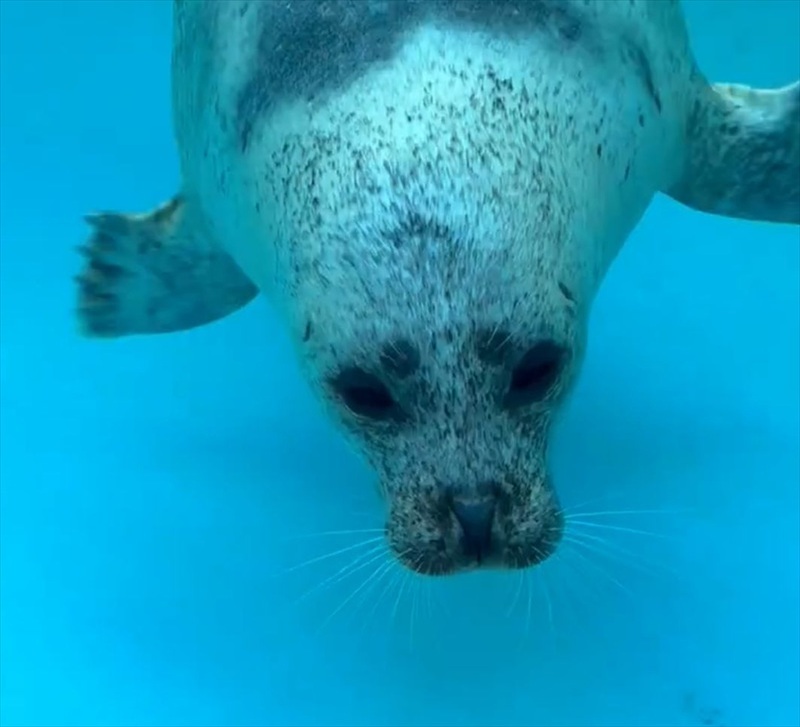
column 566, row 292
column 641, row 120
column 642, row 64
column 627, row 172
column 308, row 48
column 308, row 331
column 599, row 151
column 401, row 358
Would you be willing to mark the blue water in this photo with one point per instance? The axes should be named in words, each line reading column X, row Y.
column 151, row 488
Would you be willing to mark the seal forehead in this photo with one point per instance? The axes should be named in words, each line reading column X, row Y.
column 428, row 282
column 308, row 47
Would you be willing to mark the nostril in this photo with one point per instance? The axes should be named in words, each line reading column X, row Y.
column 475, row 517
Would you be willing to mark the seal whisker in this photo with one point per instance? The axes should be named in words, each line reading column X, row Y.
column 606, row 497
column 583, row 536
column 495, row 329
column 548, row 604
column 619, row 554
column 379, row 570
column 528, row 611
column 370, row 590
column 340, row 551
column 604, row 573
column 609, row 513
column 414, row 603
column 415, row 584
column 518, row 592
column 328, row 533
column 431, row 611
column 394, row 574
column 361, row 561
column 402, row 585
column 618, row 528
column 577, row 564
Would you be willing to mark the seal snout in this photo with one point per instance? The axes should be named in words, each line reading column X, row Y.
column 475, row 516
column 445, row 530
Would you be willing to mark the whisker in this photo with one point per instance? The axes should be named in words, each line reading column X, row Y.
column 515, row 599
column 376, row 582
column 415, row 581
column 528, row 580
column 620, row 555
column 549, row 605
column 375, row 553
column 572, row 595
column 325, row 534
column 604, row 513
column 403, row 584
column 619, row 528
column 585, row 596
column 341, row 551
column 398, row 572
column 414, row 596
column 604, row 573
column 429, row 599
column 601, row 498
column 378, row 571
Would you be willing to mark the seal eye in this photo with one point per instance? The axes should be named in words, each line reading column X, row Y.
column 365, row 394
column 535, row 374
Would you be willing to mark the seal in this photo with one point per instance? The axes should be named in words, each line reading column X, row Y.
column 430, row 194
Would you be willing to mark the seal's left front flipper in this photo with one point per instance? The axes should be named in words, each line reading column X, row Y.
column 743, row 153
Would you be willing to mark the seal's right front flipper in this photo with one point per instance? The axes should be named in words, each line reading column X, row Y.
column 155, row 273
column 743, row 153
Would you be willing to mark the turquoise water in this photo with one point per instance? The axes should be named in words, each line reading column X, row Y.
column 152, row 488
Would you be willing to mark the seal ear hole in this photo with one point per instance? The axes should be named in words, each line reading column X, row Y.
column 535, row 374
column 365, row 394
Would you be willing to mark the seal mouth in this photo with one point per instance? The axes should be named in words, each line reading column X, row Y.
column 439, row 534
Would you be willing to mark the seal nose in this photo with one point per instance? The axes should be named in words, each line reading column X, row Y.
column 475, row 515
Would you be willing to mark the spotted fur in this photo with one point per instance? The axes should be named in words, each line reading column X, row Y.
column 427, row 191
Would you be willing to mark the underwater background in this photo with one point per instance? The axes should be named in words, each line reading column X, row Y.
column 162, row 497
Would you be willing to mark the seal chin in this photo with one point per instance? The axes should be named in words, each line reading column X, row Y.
column 443, row 531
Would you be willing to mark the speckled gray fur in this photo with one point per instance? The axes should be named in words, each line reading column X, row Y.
column 455, row 176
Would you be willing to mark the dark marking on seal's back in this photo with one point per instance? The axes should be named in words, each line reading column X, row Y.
column 645, row 72
column 307, row 48
column 566, row 292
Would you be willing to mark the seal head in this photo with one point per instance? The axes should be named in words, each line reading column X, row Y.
column 447, row 367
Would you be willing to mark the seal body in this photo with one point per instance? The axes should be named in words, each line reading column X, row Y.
column 430, row 193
